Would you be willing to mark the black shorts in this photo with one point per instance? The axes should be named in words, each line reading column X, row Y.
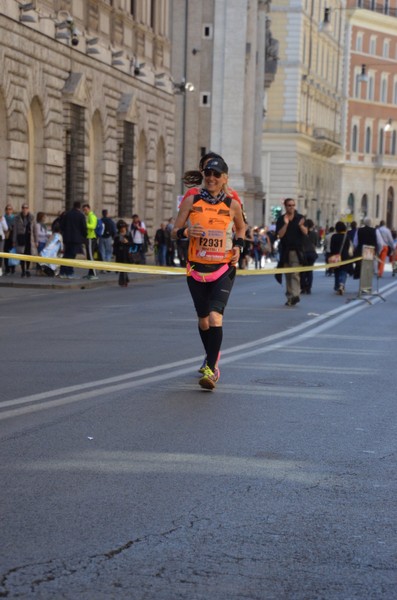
column 214, row 296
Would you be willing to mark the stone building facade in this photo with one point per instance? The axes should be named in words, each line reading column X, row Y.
column 329, row 138
column 302, row 137
column 80, row 115
column 369, row 173
column 219, row 47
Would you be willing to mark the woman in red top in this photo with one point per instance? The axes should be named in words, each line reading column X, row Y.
column 208, row 219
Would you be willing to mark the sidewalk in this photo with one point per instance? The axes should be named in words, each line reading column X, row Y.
column 78, row 282
column 42, row 281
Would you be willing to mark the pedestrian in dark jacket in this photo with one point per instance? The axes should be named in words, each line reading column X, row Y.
column 160, row 245
column 24, row 238
column 121, row 248
column 340, row 244
column 74, row 234
column 105, row 240
column 291, row 229
column 10, row 219
column 310, row 243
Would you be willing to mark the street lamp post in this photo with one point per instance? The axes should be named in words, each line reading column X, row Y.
column 183, row 88
column 264, row 209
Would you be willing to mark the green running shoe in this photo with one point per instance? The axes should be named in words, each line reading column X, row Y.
column 209, row 379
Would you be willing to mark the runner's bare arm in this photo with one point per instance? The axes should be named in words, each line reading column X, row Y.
column 239, row 230
column 238, row 219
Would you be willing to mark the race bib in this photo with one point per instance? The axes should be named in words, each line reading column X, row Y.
column 212, row 245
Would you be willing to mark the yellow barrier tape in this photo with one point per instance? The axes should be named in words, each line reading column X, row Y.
column 96, row 264
column 156, row 270
column 299, row 269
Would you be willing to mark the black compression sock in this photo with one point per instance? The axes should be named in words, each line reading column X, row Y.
column 204, row 334
column 214, row 345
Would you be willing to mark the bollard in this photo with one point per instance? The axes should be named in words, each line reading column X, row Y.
column 367, row 275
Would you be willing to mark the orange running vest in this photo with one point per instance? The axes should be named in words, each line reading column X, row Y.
column 215, row 246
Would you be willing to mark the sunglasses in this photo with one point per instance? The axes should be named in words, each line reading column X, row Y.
column 211, row 173
column 289, row 205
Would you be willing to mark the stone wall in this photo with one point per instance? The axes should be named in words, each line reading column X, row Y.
column 40, row 80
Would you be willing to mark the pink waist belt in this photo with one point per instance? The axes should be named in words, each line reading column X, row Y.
column 206, row 277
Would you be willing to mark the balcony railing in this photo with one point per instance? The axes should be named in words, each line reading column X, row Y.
column 378, row 7
column 385, row 161
column 326, row 142
column 322, row 133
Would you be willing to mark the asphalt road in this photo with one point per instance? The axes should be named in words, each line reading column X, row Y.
column 122, row 479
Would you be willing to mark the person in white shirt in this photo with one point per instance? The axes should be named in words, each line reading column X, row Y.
column 385, row 241
column 138, row 236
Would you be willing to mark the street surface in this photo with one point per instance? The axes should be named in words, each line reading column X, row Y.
column 122, row 479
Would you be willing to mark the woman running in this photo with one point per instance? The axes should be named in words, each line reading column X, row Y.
column 207, row 219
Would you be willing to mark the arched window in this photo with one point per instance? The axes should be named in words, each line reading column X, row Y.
column 75, row 175
column 364, row 205
column 350, row 203
column 139, row 205
column 354, row 138
column 95, row 162
column 160, row 207
column 368, row 140
column 390, row 208
column 35, row 170
column 357, row 85
column 383, row 90
column 4, row 151
column 153, row 15
column 381, row 139
column 126, row 170
column 370, row 87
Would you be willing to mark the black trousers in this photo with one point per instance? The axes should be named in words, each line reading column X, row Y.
column 91, row 246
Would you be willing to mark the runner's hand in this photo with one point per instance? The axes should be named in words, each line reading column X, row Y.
column 236, row 256
column 196, row 231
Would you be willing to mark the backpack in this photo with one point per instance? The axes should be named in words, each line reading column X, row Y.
column 108, row 228
column 100, row 228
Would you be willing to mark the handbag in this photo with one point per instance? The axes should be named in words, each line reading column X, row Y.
column 13, row 262
column 335, row 258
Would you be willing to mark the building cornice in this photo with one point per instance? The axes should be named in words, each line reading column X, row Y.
column 374, row 21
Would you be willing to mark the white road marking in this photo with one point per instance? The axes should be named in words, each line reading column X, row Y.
column 153, row 375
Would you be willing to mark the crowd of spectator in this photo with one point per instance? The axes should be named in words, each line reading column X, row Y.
column 80, row 233
column 76, row 233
